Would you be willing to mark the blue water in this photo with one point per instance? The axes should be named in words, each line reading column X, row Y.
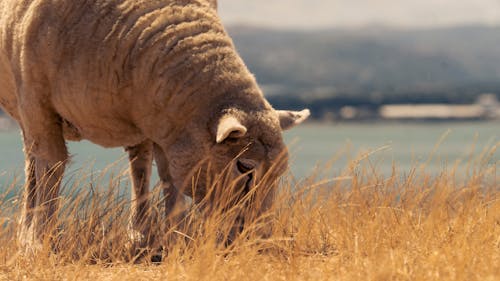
column 315, row 146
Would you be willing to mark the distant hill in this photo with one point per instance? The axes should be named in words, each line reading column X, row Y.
column 373, row 66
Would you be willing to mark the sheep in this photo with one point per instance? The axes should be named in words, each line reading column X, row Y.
column 160, row 78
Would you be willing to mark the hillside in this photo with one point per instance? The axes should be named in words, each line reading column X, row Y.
column 372, row 66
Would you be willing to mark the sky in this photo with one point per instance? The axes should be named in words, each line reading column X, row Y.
column 310, row 14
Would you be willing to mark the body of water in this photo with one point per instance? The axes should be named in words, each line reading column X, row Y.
column 314, row 146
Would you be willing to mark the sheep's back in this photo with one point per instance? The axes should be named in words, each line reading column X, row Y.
column 114, row 68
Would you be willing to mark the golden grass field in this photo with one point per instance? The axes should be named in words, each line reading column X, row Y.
column 358, row 225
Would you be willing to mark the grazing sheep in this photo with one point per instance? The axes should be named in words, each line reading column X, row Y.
column 158, row 77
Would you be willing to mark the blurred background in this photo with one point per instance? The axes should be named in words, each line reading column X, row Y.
column 415, row 81
column 361, row 59
column 321, row 14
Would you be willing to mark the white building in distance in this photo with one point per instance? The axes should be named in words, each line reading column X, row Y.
column 486, row 107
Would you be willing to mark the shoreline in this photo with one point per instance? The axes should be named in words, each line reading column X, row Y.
column 7, row 124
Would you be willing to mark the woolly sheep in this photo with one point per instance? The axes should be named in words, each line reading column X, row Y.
column 160, row 78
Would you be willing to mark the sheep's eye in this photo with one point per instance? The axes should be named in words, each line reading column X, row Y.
column 243, row 168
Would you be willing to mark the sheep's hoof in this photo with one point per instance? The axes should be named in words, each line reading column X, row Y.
column 29, row 242
column 141, row 250
column 148, row 255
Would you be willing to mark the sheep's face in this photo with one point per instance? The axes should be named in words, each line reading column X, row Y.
column 231, row 156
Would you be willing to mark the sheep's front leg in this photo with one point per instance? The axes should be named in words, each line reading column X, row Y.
column 174, row 200
column 140, row 159
column 26, row 233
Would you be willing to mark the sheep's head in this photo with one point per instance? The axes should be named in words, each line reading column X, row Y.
column 237, row 152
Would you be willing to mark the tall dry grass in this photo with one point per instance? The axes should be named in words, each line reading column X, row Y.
column 358, row 225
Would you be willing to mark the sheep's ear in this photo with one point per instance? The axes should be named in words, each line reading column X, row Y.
column 229, row 126
column 290, row 119
column 213, row 4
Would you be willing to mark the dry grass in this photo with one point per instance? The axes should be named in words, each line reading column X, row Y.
column 360, row 225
